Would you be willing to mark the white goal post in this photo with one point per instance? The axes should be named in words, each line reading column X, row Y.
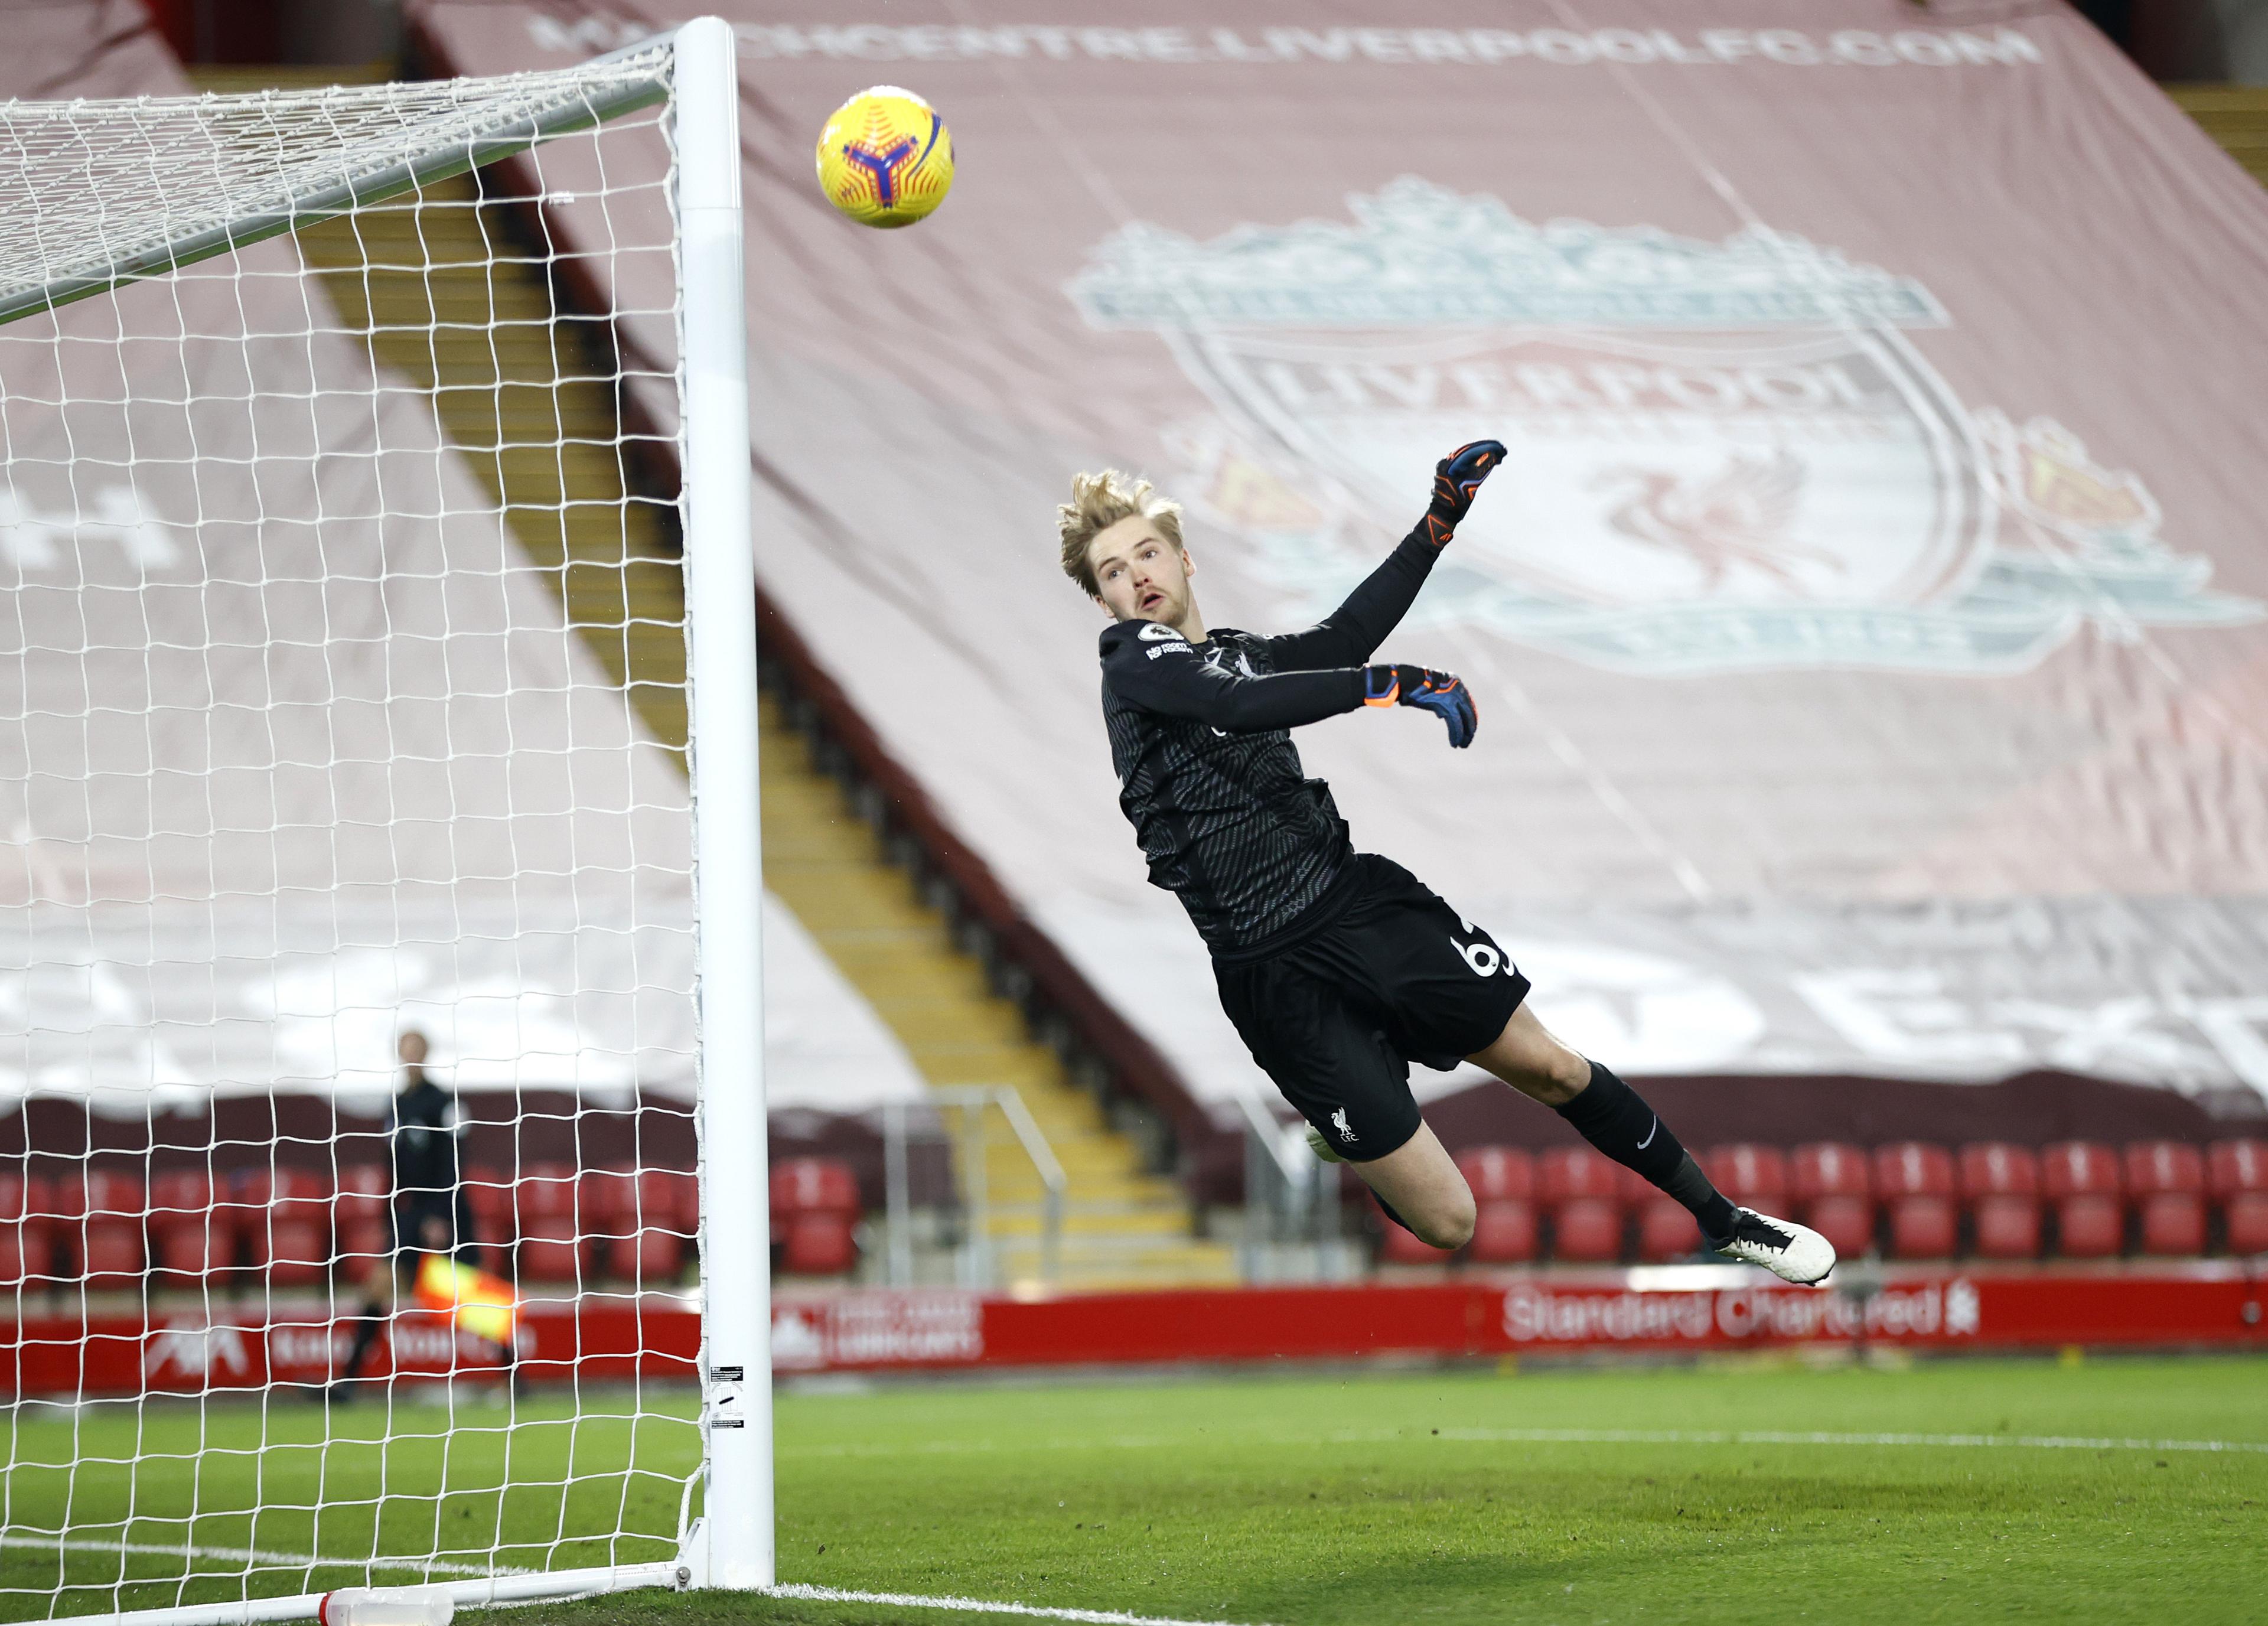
column 354, row 683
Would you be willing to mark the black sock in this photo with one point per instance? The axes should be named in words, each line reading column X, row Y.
column 1615, row 1119
column 366, row 1335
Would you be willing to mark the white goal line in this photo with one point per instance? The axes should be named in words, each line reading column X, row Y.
column 812, row 1594
column 981, row 1606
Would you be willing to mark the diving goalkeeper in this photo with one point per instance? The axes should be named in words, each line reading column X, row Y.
column 1339, row 968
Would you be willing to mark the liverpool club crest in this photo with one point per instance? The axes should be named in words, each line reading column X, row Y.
column 1722, row 455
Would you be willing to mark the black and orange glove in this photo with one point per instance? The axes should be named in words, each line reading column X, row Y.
column 1456, row 479
column 1444, row 693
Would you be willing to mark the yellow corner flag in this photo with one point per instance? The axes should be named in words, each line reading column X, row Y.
column 484, row 1305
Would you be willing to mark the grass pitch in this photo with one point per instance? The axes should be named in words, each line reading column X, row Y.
column 1571, row 1496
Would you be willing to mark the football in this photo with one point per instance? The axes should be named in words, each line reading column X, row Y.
column 884, row 157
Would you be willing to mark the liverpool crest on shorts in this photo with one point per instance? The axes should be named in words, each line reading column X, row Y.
column 1721, row 454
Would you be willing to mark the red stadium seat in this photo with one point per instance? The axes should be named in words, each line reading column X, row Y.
column 1579, row 1186
column 2238, row 1173
column 1497, row 1173
column 814, row 1186
column 1503, row 1233
column 1914, row 1181
column 607, row 1201
column 825, row 1244
column 2166, row 1180
column 1752, row 1176
column 358, row 1224
column 815, row 1204
column 285, row 1224
column 666, row 1213
column 1666, row 1230
column 2235, row 1165
column 2083, row 1184
column 1396, row 1247
column 2002, row 1185
column 192, row 1238
column 1833, row 1193
column 1503, row 1181
column 26, row 1230
column 100, row 1216
column 544, row 1211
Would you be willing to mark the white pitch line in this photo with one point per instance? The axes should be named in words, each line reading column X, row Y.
column 249, row 1556
column 981, row 1606
column 1551, row 1436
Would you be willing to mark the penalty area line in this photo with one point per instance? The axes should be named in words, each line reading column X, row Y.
column 979, row 1606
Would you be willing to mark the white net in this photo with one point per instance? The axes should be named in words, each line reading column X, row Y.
column 342, row 699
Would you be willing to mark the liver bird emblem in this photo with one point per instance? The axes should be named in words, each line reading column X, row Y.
column 1737, row 517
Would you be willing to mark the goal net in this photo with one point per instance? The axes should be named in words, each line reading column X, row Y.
column 371, row 1001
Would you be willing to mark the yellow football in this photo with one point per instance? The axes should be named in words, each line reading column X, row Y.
column 884, row 157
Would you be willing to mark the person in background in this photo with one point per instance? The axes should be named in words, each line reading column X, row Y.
column 429, row 1214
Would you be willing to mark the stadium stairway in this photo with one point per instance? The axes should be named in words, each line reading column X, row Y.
column 2235, row 116
column 505, row 384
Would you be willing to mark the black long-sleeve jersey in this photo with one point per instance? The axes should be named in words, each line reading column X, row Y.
column 423, row 1128
column 1208, row 775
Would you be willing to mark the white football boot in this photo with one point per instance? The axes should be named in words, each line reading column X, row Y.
column 1790, row 1251
column 1321, row 1147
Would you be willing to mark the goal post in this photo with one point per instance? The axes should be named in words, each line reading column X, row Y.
column 378, row 657
column 720, row 569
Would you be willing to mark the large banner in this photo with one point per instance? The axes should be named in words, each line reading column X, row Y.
column 1672, row 1311
column 1869, row 625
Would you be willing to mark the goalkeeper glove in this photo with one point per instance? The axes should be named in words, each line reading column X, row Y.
column 1456, row 479
column 1444, row 693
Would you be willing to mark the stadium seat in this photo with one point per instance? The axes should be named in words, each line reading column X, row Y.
column 100, row 1215
column 606, row 1209
column 1398, row 1245
column 2001, row 1183
column 2080, row 1180
column 2237, row 1174
column 815, row 1202
column 358, row 1224
column 285, row 1224
column 1832, row 1192
column 26, row 1230
column 1914, row 1181
column 191, row 1239
column 669, row 1217
column 489, row 1196
column 2165, row 1180
column 1752, row 1176
column 544, row 1212
column 1666, row 1230
column 1503, row 1181
column 1580, row 1188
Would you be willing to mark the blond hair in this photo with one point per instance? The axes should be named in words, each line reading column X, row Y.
column 1099, row 502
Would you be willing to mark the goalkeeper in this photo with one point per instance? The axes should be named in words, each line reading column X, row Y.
column 1340, row 969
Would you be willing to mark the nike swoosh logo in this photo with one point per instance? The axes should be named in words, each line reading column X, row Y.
column 1650, row 1134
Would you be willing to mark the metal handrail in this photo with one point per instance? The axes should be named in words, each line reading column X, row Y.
column 1307, row 1215
column 978, row 1263
column 1051, row 1176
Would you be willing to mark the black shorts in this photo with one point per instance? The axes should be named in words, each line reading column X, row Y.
column 1336, row 1018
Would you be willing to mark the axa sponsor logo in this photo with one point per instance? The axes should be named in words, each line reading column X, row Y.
column 1722, row 455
